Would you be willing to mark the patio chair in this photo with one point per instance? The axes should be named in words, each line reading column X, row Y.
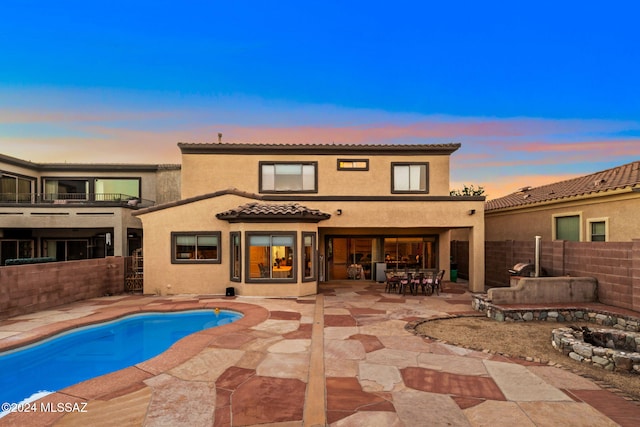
column 392, row 281
column 427, row 283
column 437, row 282
column 415, row 282
column 405, row 283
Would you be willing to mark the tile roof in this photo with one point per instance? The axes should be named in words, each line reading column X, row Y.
column 600, row 182
column 276, row 212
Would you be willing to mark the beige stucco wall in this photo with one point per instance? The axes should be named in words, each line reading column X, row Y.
column 547, row 290
column 206, row 173
column 374, row 218
column 168, row 185
column 620, row 211
column 162, row 277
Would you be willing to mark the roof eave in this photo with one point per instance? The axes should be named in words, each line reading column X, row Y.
column 319, row 149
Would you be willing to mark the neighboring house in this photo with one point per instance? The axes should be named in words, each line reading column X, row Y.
column 275, row 219
column 602, row 206
column 77, row 211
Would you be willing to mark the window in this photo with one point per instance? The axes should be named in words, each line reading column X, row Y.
column 409, row 178
column 271, row 257
column 309, row 256
column 410, row 252
column 236, row 275
column 15, row 189
column 13, row 249
column 67, row 250
column 353, row 164
column 598, row 230
column 66, row 189
column 288, row 177
column 109, row 189
column 567, row 228
column 201, row 247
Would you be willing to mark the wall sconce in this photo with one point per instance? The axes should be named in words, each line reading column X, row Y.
column 339, row 212
column 472, row 212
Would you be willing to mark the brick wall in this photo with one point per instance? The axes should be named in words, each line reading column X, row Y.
column 616, row 265
column 30, row 288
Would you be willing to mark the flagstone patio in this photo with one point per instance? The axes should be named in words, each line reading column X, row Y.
column 340, row 358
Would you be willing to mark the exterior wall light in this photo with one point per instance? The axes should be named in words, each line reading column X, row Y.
column 472, row 212
column 339, row 212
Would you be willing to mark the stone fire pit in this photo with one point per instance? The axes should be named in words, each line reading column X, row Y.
column 610, row 349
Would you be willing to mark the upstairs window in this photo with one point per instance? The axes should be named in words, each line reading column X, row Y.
column 353, row 164
column 15, row 189
column 117, row 188
column 409, row 177
column 66, row 189
column 288, row 177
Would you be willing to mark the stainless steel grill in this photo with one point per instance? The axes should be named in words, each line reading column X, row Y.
column 523, row 269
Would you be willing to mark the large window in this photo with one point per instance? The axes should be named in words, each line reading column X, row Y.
column 409, row 177
column 15, row 189
column 410, row 252
column 67, row 250
column 288, row 177
column 200, row 247
column 66, row 189
column 309, row 256
column 236, row 274
column 567, row 228
column 117, row 188
column 271, row 257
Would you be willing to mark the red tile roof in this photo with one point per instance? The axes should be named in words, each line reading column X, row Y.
column 263, row 211
column 600, row 182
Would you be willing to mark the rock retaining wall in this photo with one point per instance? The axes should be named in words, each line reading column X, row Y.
column 573, row 314
column 571, row 343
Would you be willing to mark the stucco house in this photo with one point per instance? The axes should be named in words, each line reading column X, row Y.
column 601, row 206
column 72, row 211
column 277, row 219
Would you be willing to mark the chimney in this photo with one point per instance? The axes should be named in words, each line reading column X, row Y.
column 219, row 137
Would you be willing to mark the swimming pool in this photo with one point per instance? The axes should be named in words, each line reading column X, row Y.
column 71, row 357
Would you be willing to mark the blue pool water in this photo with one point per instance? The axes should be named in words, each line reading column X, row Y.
column 88, row 352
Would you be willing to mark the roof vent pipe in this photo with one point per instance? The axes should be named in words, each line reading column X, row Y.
column 537, row 260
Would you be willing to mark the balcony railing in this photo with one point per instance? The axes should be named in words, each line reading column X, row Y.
column 88, row 199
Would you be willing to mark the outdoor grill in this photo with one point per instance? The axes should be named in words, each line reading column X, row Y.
column 523, row 269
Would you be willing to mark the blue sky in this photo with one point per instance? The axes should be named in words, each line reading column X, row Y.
column 535, row 92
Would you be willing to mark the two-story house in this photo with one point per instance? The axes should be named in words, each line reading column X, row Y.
column 72, row 211
column 275, row 219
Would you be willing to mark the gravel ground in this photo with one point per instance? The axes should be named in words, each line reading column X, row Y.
column 526, row 340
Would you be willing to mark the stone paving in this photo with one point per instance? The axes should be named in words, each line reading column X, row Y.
column 340, row 358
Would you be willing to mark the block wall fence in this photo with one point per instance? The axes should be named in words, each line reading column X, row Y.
column 616, row 265
column 34, row 287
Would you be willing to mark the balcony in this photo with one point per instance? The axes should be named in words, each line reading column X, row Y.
column 74, row 199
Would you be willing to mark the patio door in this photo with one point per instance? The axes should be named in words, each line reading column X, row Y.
column 345, row 251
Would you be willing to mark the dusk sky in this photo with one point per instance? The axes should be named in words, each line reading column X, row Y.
column 535, row 92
